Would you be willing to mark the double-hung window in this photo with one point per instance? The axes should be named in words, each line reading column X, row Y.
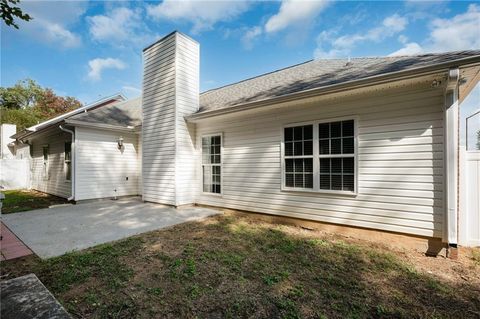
column 320, row 156
column 299, row 156
column 212, row 164
column 68, row 161
column 45, row 153
column 336, row 141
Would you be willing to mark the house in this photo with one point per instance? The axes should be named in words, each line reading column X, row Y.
column 365, row 142
column 51, row 147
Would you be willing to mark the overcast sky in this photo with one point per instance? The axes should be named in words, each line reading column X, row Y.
column 90, row 49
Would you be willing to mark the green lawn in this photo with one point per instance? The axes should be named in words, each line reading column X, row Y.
column 22, row 200
column 235, row 266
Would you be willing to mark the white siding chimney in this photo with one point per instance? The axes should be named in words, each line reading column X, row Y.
column 170, row 92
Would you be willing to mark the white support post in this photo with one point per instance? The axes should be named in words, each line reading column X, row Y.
column 451, row 156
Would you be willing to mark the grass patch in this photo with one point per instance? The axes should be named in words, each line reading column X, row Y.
column 476, row 256
column 237, row 267
column 23, row 200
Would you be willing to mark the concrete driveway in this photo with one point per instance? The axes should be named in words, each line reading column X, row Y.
column 54, row 231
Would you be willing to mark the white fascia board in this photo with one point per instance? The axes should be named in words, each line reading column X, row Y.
column 102, row 126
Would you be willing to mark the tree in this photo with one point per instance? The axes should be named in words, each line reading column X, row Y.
column 21, row 118
column 49, row 104
column 23, row 94
column 27, row 103
column 9, row 11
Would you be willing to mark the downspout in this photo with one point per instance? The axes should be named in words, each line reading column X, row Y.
column 451, row 159
column 72, row 181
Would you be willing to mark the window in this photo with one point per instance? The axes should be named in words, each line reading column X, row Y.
column 336, row 145
column 212, row 163
column 45, row 161
column 320, row 156
column 68, row 161
column 299, row 156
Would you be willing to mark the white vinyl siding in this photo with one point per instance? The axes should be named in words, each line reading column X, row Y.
column 170, row 92
column 399, row 161
column 102, row 169
column 54, row 182
column 158, row 128
column 187, row 96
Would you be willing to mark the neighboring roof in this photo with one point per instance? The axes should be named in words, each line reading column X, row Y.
column 124, row 114
column 316, row 74
column 62, row 117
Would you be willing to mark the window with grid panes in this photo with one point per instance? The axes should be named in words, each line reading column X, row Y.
column 320, row 156
column 336, row 146
column 68, row 161
column 211, row 164
column 298, row 157
column 45, row 152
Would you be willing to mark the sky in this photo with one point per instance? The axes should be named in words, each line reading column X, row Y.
column 93, row 49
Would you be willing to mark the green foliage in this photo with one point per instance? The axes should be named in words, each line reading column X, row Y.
column 8, row 13
column 27, row 103
column 22, row 118
column 24, row 94
column 476, row 256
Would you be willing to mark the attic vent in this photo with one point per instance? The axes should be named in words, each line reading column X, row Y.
column 349, row 62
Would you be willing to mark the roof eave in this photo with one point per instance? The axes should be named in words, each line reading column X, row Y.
column 369, row 81
column 61, row 118
column 87, row 107
column 21, row 134
column 101, row 126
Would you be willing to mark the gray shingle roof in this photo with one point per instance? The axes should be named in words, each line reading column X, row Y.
column 127, row 113
column 316, row 74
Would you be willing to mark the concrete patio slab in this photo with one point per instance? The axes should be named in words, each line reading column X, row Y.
column 26, row 297
column 54, row 231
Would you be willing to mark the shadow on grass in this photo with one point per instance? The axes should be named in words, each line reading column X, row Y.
column 24, row 200
column 231, row 267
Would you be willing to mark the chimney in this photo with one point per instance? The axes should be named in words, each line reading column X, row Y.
column 170, row 92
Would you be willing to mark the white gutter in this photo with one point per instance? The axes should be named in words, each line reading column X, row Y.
column 451, row 156
column 72, row 158
column 101, row 126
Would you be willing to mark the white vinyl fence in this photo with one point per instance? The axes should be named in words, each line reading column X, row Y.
column 469, row 223
column 14, row 173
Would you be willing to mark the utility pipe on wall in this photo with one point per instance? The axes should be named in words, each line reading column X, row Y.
column 72, row 179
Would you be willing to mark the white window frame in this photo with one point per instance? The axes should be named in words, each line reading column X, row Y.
column 221, row 164
column 65, row 161
column 316, row 157
column 46, row 163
